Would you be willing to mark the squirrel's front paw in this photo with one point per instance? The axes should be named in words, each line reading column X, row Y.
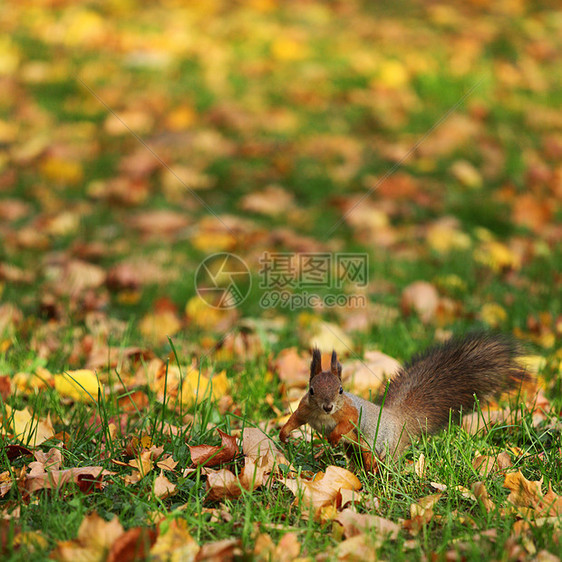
column 334, row 437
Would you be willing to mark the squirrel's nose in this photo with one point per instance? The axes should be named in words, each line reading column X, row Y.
column 328, row 408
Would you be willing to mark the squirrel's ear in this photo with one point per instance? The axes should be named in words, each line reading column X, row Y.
column 335, row 365
column 316, row 364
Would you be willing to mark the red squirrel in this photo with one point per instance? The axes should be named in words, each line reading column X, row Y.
column 419, row 398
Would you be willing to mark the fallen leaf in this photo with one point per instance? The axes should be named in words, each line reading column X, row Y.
column 287, row 550
column 257, row 445
column 329, row 336
column 424, row 505
column 354, row 524
column 271, row 201
column 211, row 455
column 422, row 298
column 163, row 488
column 27, row 428
column 524, row 493
column 324, row 489
column 222, row 484
column 132, row 545
column 95, row 538
column 365, row 377
column 174, row 543
column 81, row 385
column 357, row 548
column 55, row 479
column 224, row 550
column 486, row 464
column 293, row 367
column 481, row 493
column 159, row 326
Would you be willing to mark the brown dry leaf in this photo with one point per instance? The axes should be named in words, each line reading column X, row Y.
column 287, row 550
column 27, row 428
column 143, row 463
column 212, row 455
column 354, row 524
column 174, row 543
column 271, row 201
column 253, row 473
column 293, row 367
column 324, row 490
column 422, row 298
column 136, row 401
column 167, row 463
column 163, row 488
column 367, row 376
column 50, row 460
column 424, row 505
column 78, row 276
column 132, row 545
column 240, row 346
column 258, row 446
column 220, row 551
column 360, row 548
column 222, row 484
column 482, row 420
column 486, row 464
column 83, row 476
column 524, row 493
column 95, row 538
column 532, row 212
column 551, row 504
column 160, row 223
column 481, row 493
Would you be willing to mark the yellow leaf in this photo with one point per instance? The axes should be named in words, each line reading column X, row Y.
column 81, row 385
column 9, row 55
column 393, row 74
column 533, row 363
column 444, row 238
column 329, row 336
column 27, row 428
column 493, row 314
column 158, row 326
column 174, row 543
column 287, row 49
column 62, row 171
column 497, row 256
column 30, row 382
column 197, row 387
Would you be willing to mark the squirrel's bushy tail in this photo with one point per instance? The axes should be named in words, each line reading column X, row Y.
column 447, row 377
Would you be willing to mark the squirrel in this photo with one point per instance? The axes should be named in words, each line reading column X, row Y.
column 419, row 398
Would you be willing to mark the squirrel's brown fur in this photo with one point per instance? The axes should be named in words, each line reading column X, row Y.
column 420, row 397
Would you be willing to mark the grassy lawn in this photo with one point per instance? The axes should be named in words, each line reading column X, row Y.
column 142, row 144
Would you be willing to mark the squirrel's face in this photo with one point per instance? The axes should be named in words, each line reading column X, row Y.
column 326, row 392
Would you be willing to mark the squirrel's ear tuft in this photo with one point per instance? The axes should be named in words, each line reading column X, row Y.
column 335, row 365
column 316, row 364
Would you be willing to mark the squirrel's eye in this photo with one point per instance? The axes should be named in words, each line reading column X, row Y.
column 311, row 391
column 341, row 389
